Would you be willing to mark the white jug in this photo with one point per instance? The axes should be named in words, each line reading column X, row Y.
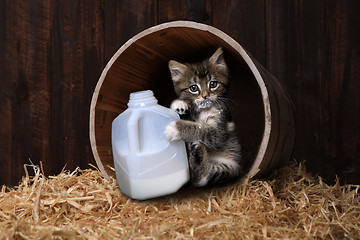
column 147, row 164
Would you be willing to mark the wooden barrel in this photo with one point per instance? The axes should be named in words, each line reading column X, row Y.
column 261, row 109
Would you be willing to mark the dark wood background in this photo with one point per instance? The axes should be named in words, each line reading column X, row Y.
column 53, row 52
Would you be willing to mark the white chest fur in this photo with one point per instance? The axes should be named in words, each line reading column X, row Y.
column 209, row 117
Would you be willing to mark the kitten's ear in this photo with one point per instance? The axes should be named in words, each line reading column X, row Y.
column 177, row 70
column 217, row 59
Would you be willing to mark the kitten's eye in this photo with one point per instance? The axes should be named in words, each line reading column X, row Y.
column 213, row 84
column 194, row 88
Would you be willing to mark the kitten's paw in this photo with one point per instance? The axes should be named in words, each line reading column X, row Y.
column 171, row 132
column 179, row 106
column 194, row 145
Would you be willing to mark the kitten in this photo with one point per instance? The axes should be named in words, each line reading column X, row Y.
column 213, row 149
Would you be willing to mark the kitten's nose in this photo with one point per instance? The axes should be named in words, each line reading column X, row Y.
column 205, row 95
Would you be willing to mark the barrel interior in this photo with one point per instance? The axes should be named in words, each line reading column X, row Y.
column 143, row 65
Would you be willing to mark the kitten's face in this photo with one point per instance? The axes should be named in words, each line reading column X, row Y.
column 200, row 84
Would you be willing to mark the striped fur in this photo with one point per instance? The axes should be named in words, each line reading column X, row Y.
column 206, row 127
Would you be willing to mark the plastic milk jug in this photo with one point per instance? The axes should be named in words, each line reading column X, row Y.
column 147, row 164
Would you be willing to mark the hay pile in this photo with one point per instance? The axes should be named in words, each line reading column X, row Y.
column 83, row 205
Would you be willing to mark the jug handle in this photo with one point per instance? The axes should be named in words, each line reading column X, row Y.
column 133, row 133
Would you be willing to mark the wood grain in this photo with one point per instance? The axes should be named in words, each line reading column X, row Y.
column 340, row 67
column 197, row 11
column 77, row 57
column 26, row 93
column 53, row 55
column 6, row 100
column 124, row 19
column 296, row 42
column 245, row 22
column 315, row 54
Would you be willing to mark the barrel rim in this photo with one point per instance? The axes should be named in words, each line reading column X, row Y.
column 255, row 167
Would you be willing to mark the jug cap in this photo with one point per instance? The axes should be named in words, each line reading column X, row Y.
column 142, row 98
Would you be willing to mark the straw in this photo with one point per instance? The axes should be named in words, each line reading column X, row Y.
column 81, row 204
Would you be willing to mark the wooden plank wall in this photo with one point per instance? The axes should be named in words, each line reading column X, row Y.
column 52, row 54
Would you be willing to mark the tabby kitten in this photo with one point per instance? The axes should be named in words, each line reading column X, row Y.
column 213, row 149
